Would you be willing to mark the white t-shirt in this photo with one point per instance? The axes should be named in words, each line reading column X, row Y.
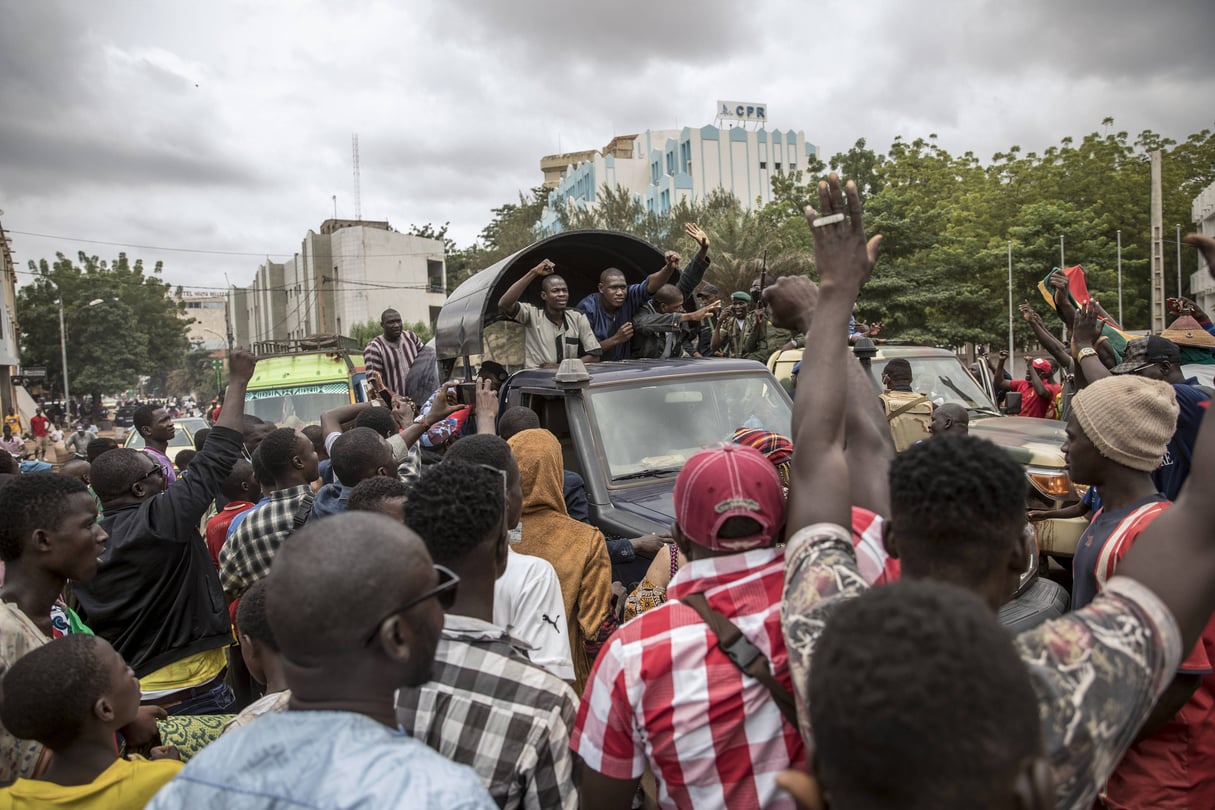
column 528, row 606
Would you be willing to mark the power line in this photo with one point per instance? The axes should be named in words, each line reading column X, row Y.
column 256, row 254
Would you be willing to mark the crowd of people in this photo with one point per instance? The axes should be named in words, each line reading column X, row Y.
column 408, row 607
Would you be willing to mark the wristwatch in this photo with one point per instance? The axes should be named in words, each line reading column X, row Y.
column 1087, row 351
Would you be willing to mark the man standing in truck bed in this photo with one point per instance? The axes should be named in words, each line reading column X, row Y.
column 392, row 353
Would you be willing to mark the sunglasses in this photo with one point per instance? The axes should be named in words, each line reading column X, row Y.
column 445, row 592
column 156, row 470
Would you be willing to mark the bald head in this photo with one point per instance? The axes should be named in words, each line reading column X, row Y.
column 950, row 419
column 76, row 468
column 516, row 419
column 364, row 562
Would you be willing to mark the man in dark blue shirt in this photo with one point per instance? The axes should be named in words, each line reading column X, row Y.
column 610, row 310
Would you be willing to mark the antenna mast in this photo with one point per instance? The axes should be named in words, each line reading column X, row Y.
column 358, row 201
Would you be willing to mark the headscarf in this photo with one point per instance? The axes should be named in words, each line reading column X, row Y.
column 776, row 447
column 577, row 551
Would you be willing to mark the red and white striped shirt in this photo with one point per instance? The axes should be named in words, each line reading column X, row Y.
column 662, row 692
column 392, row 360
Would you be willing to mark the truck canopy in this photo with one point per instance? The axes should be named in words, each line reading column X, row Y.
column 580, row 257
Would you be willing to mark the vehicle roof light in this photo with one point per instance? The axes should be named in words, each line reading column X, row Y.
column 572, row 373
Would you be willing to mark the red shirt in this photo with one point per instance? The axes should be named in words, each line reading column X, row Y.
column 663, row 693
column 38, row 425
column 1174, row 769
column 217, row 528
column 1031, row 403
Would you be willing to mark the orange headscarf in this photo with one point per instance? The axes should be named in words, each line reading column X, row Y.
column 577, row 551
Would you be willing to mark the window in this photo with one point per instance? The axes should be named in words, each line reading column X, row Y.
column 763, row 164
column 434, row 276
column 777, row 167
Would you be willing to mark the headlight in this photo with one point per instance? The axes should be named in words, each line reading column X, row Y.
column 1053, row 483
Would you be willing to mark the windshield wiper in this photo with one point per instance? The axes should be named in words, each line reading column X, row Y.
column 989, row 411
column 649, row 472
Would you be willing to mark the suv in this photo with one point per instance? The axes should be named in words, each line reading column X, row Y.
column 1034, row 443
column 628, row 427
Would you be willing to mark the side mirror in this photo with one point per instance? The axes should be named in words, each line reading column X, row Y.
column 1012, row 403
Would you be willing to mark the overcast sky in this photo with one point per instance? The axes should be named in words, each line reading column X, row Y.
column 226, row 126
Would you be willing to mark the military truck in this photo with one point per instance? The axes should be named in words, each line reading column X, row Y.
column 628, row 427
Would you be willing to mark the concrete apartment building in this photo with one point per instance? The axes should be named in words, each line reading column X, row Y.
column 1202, row 287
column 349, row 272
column 210, row 328
column 661, row 167
column 9, row 355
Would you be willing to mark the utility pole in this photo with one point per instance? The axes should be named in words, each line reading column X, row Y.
column 1180, row 292
column 1010, row 306
column 1120, row 321
column 1157, row 246
column 67, row 394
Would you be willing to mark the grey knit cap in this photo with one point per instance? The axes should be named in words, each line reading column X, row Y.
column 1129, row 419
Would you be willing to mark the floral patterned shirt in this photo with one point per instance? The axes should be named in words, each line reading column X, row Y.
column 1097, row 671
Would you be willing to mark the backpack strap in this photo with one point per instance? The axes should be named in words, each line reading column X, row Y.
column 302, row 512
column 745, row 655
column 905, row 407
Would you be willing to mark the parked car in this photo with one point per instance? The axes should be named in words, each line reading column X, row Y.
column 628, row 427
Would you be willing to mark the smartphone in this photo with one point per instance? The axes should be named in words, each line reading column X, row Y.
column 466, row 393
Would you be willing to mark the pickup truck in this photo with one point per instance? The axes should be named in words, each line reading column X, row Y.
column 628, row 427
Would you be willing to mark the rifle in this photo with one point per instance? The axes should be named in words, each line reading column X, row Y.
column 763, row 280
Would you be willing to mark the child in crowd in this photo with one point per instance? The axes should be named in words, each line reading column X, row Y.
column 261, row 655
column 72, row 695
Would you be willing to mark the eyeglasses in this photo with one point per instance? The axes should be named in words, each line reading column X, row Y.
column 445, row 592
column 156, row 470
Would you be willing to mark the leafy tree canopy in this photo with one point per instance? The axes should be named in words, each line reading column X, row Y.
column 121, row 323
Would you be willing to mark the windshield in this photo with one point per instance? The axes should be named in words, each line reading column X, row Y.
column 944, row 379
column 650, row 430
column 297, row 406
column 184, row 437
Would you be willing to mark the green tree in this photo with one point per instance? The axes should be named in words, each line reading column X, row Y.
column 121, row 323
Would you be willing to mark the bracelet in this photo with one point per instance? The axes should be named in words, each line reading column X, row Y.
column 1099, row 340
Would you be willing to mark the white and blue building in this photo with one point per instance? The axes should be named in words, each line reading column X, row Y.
column 662, row 167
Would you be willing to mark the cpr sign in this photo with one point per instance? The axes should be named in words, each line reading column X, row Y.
column 743, row 110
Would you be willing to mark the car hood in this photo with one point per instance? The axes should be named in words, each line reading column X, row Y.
column 652, row 502
column 1029, row 441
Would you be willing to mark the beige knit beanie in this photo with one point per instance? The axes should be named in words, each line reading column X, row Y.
column 1129, row 419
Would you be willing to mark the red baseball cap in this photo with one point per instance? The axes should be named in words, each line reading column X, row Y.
column 1042, row 364
column 724, row 482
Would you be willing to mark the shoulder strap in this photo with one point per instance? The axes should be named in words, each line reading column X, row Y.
column 745, row 655
column 905, row 407
column 302, row 512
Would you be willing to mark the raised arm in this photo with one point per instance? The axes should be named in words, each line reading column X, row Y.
column 702, row 240
column 997, row 375
column 333, row 420
column 240, row 370
column 659, row 277
column 821, row 492
column 1040, row 388
column 1049, row 342
column 1085, row 330
column 1175, row 555
column 508, row 304
column 1063, row 297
